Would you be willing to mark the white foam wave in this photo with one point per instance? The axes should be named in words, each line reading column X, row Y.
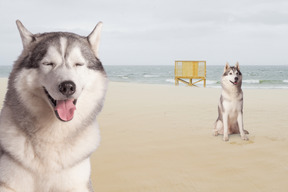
column 123, row 76
column 170, row 80
column 208, row 82
column 251, row 81
column 150, row 76
column 211, row 82
column 285, row 81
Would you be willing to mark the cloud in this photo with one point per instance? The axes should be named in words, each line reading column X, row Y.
column 159, row 30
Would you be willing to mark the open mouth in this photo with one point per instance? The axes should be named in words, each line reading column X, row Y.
column 234, row 83
column 64, row 109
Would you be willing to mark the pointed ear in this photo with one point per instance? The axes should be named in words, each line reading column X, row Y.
column 226, row 67
column 94, row 38
column 237, row 66
column 26, row 35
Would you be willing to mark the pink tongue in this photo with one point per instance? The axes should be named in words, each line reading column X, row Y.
column 65, row 109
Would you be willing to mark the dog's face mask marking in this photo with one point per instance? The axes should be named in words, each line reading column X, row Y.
column 64, row 70
column 64, row 61
column 232, row 74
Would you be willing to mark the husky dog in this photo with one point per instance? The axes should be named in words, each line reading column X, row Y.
column 48, row 127
column 230, row 108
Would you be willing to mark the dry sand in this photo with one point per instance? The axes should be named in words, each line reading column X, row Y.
column 158, row 138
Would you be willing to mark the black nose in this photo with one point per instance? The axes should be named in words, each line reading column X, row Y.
column 236, row 78
column 67, row 88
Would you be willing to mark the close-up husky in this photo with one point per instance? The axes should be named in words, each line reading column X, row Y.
column 230, row 107
column 48, row 127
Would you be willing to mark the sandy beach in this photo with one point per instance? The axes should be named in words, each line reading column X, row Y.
column 158, row 138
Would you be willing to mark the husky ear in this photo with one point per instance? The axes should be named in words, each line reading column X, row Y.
column 26, row 36
column 226, row 67
column 237, row 66
column 94, row 38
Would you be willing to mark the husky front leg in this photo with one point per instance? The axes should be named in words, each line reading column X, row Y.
column 240, row 125
column 13, row 177
column 225, row 127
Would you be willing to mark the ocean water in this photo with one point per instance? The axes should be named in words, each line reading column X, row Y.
column 259, row 77
column 256, row 76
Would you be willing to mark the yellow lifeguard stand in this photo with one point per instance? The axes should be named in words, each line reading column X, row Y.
column 190, row 70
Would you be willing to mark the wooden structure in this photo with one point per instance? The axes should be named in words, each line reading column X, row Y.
column 189, row 70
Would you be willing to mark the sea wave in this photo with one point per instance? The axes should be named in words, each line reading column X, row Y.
column 212, row 82
column 251, row 81
column 170, row 80
column 271, row 81
column 264, row 81
column 151, row 76
column 122, row 76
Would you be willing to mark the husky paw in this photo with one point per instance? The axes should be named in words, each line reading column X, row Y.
column 225, row 138
column 244, row 137
column 215, row 133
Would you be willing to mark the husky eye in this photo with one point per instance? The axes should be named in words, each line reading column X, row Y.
column 79, row 64
column 49, row 64
column 230, row 73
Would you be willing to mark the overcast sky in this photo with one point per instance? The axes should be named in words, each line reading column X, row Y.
column 157, row 32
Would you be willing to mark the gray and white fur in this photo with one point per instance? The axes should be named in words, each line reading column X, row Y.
column 48, row 127
column 230, row 107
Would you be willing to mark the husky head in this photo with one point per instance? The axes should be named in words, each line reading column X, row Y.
column 58, row 72
column 232, row 75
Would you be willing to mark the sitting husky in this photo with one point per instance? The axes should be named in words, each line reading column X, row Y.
column 230, row 108
column 48, row 127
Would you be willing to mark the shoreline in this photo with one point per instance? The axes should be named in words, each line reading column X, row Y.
column 200, row 86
